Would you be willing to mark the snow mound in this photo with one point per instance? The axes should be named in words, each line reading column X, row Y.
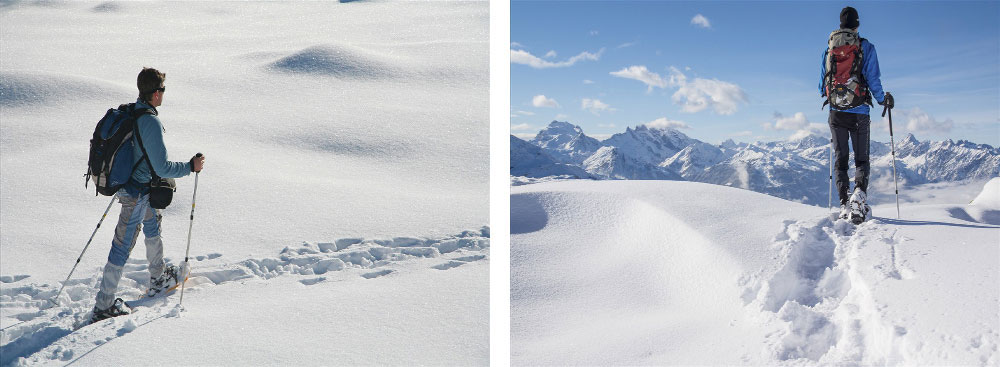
column 38, row 331
column 683, row 273
column 341, row 61
column 35, row 88
column 990, row 196
column 352, row 144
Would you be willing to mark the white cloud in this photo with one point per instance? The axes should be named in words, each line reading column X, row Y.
column 918, row 121
column 642, row 74
column 606, row 125
column 521, row 127
column 516, row 45
column 813, row 128
column 588, row 81
column 595, row 106
column 697, row 95
column 693, row 96
column 542, row 101
column 701, row 21
column 628, row 44
column 550, row 54
column 526, row 58
column 797, row 121
column 524, row 113
column 664, row 123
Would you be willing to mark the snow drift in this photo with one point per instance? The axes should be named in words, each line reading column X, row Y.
column 321, row 123
column 667, row 272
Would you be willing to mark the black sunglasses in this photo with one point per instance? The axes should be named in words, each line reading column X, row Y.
column 161, row 89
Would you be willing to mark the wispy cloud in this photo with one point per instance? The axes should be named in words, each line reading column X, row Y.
column 628, row 44
column 701, row 21
column 521, row 127
column 526, row 58
column 516, row 45
column 610, row 126
column 595, row 106
column 918, row 121
column 550, row 54
column 562, row 116
column 642, row 74
column 542, row 101
column 588, row 81
column 524, row 113
column 742, row 133
column 664, row 123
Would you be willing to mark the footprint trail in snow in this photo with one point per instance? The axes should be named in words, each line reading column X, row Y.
column 820, row 292
column 44, row 333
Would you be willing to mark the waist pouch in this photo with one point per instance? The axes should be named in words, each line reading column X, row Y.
column 161, row 192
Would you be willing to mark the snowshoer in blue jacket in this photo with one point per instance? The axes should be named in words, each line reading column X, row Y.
column 849, row 87
column 136, row 212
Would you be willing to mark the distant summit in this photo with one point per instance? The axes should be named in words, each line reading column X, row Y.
column 795, row 169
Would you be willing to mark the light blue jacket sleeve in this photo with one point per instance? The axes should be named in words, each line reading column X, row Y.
column 871, row 70
column 151, row 132
column 822, row 72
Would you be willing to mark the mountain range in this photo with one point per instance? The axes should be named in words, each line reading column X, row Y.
column 795, row 169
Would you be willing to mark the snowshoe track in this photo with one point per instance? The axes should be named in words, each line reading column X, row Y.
column 45, row 333
column 819, row 293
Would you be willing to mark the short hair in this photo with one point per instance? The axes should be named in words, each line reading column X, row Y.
column 148, row 81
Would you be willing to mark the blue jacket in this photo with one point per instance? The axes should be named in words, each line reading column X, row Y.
column 871, row 72
column 151, row 131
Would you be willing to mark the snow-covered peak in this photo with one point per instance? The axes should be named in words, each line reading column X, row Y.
column 694, row 158
column 566, row 142
column 560, row 128
column 608, row 162
column 650, row 145
column 729, row 144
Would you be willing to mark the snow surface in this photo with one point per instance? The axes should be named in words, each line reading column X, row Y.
column 668, row 272
column 320, row 122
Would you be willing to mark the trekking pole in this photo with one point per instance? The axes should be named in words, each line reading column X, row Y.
column 55, row 300
column 892, row 147
column 829, row 202
column 190, row 224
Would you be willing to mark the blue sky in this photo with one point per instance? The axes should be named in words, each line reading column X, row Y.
column 749, row 70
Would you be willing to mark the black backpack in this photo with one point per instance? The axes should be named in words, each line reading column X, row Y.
column 111, row 162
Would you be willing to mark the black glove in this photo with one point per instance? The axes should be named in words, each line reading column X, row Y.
column 888, row 101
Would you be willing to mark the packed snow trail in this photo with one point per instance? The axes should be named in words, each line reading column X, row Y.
column 37, row 331
column 635, row 272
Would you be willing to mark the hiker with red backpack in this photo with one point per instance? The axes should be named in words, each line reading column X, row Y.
column 849, row 78
column 146, row 188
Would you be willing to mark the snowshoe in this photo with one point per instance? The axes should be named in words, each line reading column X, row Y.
column 118, row 308
column 166, row 282
column 859, row 207
column 845, row 212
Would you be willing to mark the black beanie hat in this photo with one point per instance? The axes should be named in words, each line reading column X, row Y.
column 849, row 18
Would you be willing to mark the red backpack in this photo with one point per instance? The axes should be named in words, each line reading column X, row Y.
column 844, row 84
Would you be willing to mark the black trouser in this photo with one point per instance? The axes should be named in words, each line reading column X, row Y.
column 844, row 125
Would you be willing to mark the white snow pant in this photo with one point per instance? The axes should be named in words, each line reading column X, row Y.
column 136, row 214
